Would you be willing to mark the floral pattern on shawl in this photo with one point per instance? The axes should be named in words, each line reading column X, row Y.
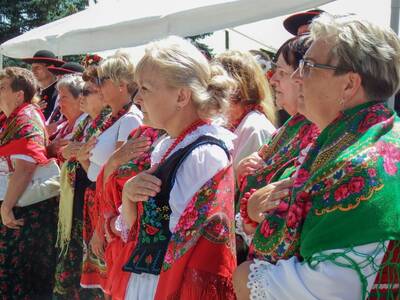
column 23, row 132
column 209, row 214
column 278, row 235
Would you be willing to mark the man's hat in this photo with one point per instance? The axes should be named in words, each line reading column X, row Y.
column 293, row 22
column 45, row 57
column 67, row 68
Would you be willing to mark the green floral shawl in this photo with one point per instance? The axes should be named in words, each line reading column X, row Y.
column 352, row 176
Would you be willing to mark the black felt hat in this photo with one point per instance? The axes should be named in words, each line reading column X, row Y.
column 67, row 68
column 44, row 56
column 293, row 22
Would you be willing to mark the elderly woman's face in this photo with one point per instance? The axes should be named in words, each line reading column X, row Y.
column 6, row 93
column 69, row 105
column 320, row 89
column 286, row 89
column 156, row 98
column 91, row 101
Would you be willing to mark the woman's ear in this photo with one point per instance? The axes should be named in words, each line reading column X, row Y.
column 184, row 96
column 352, row 85
column 20, row 97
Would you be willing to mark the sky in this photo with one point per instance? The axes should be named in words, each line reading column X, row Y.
column 271, row 32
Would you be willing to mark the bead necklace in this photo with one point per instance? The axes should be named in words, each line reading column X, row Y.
column 182, row 136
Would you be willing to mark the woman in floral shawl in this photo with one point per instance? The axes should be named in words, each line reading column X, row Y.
column 350, row 238
column 276, row 234
column 131, row 159
column 74, row 182
column 115, row 79
column 27, row 234
column 185, row 247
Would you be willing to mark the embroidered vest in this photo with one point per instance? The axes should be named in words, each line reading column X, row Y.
column 154, row 233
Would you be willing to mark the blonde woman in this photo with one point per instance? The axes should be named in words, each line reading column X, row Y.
column 185, row 247
column 251, row 115
column 115, row 80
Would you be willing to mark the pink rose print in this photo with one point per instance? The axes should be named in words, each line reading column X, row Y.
column 168, row 257
column 391, row 156
column 189, row 218
column 372, row 172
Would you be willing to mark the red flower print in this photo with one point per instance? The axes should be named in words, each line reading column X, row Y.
column 370, row 120
column 342, row 192
column 151, row 230
column 292, row 217
column 149, row 259
column 282, row 207
column 356, row 184
column 301, row 177
column 328, row 182
column 266, row 230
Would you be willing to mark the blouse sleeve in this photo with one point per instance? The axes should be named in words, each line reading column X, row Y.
column 200, row 166
column 128, row 123
column 291, row 279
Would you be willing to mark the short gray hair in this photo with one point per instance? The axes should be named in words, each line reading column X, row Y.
column 73, row 82
column 364, row 48
column 183, row 65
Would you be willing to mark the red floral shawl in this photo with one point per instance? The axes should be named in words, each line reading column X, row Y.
column 23, row 132
column 118, row 252
column 200, row 257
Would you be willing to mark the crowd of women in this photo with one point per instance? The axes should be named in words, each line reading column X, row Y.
column 169, row 168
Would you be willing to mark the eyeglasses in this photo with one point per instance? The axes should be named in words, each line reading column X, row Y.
column 306, row 65
column 100, row 80
column 87, row 92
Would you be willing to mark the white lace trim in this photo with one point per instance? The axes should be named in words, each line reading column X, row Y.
column 218, row 132
column 257, row 280
column 122, row 228
column 240, row 231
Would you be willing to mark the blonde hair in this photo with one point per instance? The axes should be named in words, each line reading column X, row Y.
column 364, row 48
column 252, row 85
column 183, row 65
column 119, row 68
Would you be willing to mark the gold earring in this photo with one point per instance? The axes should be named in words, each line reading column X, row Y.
column 341, row 101
column 178, row 108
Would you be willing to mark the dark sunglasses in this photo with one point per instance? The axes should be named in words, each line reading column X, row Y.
column 100, row 80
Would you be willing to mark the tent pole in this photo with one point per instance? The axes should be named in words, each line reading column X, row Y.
column 226, row 40
column 1, row 61
column 394, row 24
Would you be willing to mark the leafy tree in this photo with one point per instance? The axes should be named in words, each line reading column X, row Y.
column 19, row 16
column 209, row 52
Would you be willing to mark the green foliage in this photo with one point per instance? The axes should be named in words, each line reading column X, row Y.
column 19, row 16
column 203, row 47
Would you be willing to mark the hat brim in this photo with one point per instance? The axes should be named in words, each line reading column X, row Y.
column 61, row 71
column 293, row 22
column 44, row 60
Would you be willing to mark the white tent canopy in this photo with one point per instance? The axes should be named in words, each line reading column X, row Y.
column 128, row 23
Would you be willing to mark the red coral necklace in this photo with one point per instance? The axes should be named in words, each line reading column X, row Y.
column 182, row 136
